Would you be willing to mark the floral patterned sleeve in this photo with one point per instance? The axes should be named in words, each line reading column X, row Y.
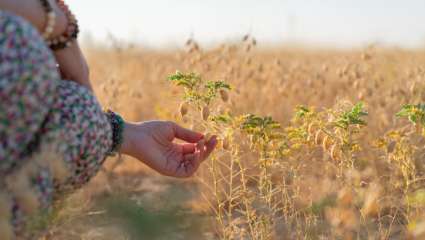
column 53, row 134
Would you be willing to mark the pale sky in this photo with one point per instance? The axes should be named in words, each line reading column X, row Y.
column 339, row 23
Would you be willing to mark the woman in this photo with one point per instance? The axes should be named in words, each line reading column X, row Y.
column 53, row 134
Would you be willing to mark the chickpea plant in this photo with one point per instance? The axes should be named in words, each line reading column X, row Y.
column 404, row 151
column 200, row 95
column 335, row 130
column 400, row 147
column 263, row 135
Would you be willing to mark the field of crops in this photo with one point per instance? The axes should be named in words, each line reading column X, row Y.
column 314, row 144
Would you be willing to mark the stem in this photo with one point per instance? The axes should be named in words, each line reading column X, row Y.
column 216, row 193
column 244, row 198
column 229, row 210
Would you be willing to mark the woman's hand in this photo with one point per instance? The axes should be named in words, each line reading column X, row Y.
column 33, row 12
column 152, row 143
column 73, row 65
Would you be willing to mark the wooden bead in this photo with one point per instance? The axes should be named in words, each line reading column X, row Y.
column 51, row 15
column 71, row 32
column 50, row 19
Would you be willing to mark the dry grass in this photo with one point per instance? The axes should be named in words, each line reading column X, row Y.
column 310, row 178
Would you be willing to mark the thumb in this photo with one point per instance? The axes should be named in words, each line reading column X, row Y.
column 186, row 134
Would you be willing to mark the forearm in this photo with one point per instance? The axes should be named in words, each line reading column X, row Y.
column 33, row 12
column 73, row 65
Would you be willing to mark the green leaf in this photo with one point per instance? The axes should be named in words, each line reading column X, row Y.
column 414, row 113
column 352, row 117
column 190, row 80
column 222, row 118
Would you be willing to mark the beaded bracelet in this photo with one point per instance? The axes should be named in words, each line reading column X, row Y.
column 117, row 125
column 50, row 19
column 71, row 32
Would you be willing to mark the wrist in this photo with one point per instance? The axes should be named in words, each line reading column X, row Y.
column 127, row 145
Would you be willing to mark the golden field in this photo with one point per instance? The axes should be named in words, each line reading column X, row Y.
column 326, row 170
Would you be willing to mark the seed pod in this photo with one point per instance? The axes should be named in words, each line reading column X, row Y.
column 248, row 48
column 357, row 74
column 310, row 129
column 391, row 146
column 205, row 113
column 356, row 84
column 334, row 152
column 225, row 143
column 345, row 70
column 413, row 88
column 318, row 137
column 184, row 109
column 326, row 143
column 224, row 95
column 189, row 42
column 366, row 56
column 309, row 137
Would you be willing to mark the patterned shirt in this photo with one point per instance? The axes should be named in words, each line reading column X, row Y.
column 54, row 135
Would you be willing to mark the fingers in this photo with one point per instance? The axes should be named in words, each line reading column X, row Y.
column 204, row 147
column 186, row 134
column 188, row 148
column 192, row 161
column 189, row 165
